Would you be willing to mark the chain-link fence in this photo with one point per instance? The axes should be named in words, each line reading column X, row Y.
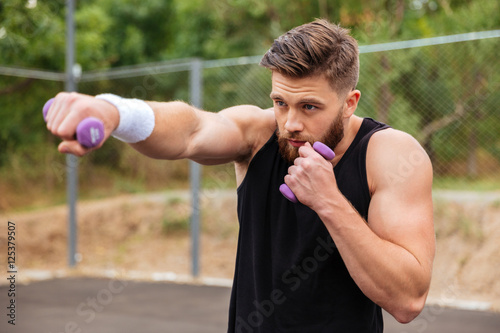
column 445, row 95
column 444, row 91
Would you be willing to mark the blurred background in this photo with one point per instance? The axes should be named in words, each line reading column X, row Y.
column 428, row 67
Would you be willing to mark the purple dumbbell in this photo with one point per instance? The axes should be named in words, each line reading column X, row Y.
column 324, row 151
column 89, row 132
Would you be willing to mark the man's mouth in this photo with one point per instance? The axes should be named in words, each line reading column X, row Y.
column 296, row 143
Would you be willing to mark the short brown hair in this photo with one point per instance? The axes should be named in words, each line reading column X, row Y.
column 314, row 48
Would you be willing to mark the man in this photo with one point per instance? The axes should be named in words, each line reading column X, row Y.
column 361, row 237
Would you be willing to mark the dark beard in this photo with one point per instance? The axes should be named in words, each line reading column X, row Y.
column 332, row 137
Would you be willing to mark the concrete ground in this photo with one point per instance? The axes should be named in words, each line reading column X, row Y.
column 77, row 305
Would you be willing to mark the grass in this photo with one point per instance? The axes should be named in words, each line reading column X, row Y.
column 469, row 228
column 482, row 184
column 35, row 177
column 465, row 221
column 176, row 224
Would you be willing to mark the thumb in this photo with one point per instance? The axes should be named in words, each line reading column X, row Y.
column 72, row 147
column 305, row 150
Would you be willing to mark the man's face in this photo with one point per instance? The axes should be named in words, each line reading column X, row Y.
column 306, row 110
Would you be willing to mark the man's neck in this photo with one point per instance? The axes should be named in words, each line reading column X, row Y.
column 350, row 131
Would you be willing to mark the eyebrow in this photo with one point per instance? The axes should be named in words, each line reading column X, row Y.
column 311, row 100
column 275, row 96
column 306, row 100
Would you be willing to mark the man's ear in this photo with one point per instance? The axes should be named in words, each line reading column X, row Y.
column 351, row 102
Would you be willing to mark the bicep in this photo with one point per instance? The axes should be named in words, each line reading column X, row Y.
column 401, row 209
column 228, row 135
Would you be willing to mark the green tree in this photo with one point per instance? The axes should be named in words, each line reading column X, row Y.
column 398, row 87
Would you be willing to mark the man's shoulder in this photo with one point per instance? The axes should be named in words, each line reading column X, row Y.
column 251, row 118
column 256, row 125
column 395, row 157
column 393, row 139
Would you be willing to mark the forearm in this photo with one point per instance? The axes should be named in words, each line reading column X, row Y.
column 173, row 130
column 175, row 125
column 387, row 273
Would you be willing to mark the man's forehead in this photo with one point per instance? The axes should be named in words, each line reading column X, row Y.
column 316, row 85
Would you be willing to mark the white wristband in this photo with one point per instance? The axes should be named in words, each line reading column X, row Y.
column 137, row 119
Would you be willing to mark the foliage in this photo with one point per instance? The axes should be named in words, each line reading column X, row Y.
column 398, row 87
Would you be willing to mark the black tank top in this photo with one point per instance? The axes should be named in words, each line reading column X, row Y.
column 289, row 276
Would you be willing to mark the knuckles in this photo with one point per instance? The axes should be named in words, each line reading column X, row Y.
column 66, row 98
column 306, row 164
column 63, row 133
column 73, row 102
column 303, row 163
column 67, row 110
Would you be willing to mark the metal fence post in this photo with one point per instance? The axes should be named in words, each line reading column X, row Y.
column 196, row 91
column 71, row 160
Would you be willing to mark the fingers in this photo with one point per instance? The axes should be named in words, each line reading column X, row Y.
column 68, row 116
column 73, row 147
column 302, row 163
column 306, row 166
column 298, row 173
column 305, row 150
column 53, row 117
column 308, row 156
column 61, row 121
column 311, row 172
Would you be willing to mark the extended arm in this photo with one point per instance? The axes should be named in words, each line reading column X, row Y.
column 180, row 131
column 183, row 131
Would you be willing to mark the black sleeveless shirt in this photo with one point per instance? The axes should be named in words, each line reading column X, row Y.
column 289, row 276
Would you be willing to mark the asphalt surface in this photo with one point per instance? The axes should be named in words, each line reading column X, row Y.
column 78, row 305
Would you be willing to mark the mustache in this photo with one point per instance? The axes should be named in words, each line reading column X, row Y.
column 294, row 136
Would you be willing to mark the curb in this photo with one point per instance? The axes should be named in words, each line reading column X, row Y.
column 32, row 275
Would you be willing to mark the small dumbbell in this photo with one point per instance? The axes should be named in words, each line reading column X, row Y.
column 89, row 132
column 324, row 151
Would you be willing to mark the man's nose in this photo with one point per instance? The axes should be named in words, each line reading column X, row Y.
column 293, row 122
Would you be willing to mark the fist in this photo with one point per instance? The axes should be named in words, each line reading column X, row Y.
column 67, row 112
column 311, row 176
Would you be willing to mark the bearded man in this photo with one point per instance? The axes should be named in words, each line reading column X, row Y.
column 361, row 237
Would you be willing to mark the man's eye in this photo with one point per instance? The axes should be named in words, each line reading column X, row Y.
column 279, row 103
column 309, row 107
